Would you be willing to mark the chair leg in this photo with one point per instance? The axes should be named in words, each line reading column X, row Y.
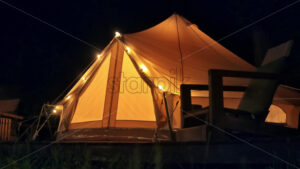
column 207, row 148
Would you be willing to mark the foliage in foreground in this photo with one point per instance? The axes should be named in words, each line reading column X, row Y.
column 110, row 156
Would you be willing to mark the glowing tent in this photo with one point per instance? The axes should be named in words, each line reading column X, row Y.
column 120, row 97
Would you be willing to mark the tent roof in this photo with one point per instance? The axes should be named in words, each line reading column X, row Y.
column 177, row 45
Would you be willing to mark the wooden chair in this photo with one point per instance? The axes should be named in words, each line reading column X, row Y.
column 253, row 108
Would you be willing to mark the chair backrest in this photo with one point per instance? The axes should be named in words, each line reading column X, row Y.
column 259, row 95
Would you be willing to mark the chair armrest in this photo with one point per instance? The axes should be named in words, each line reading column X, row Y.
column 245, row 74
column 185, row 93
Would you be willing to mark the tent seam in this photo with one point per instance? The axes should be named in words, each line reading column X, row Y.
column 180, row 52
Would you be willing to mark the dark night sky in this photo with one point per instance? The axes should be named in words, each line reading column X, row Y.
column 42, row 61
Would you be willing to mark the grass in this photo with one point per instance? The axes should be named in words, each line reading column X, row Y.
column 129, row 156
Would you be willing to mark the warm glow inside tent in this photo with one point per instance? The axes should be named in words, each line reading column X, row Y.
column 120, row 96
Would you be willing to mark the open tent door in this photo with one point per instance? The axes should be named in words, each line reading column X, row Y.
column 276, row 115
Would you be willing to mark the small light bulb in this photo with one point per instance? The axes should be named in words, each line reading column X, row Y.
column 84, row 79
column 98, row 56
column 160, row 87
column 144, row 68
column 54, row 111
column 128, row 49
column 68, row 97
column 117, row 34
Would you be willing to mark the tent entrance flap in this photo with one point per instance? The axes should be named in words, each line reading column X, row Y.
column 135, row 97
column 112, row 92
column 114, row 96
column 90, row 103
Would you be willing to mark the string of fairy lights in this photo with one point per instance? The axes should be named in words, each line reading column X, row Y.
column 84, row 78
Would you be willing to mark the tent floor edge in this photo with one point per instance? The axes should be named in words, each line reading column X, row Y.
column 115, row 135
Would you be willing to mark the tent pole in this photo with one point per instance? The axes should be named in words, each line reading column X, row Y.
column 39, row 128
column 173, row 138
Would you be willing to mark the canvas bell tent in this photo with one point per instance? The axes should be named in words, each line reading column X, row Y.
column 121, row 95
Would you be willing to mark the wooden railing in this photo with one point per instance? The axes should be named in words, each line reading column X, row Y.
column 5, row 129
column 8, row 126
